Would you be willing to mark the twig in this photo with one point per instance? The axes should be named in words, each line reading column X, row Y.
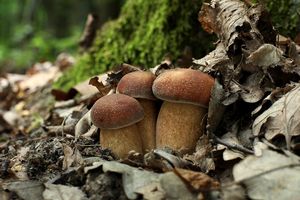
column 231, row 145
column 55, row 130
column 74, row 102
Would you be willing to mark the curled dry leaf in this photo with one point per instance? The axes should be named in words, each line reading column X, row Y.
column 274, row 96
column 115, row 76
column 83, row 125
column 229, row 20
column 99, row 83
column 252, row 92
column 216, row 108
column 201, row 158
column 217, row 60
column 265, row 56
column 164, row 65
column 282, row 118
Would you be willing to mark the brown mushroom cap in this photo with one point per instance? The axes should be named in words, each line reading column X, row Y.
column 137, row 84
column 184, row 86
column 116, row 111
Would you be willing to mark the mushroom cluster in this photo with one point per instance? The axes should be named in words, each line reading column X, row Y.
column 130, row 119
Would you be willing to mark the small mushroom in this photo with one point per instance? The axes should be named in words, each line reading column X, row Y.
column 186, row 94
column 116, row 115
column 138, row 84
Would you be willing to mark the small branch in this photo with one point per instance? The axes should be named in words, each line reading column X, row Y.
column 231, row 145
column 74, row 102
column 56, row 130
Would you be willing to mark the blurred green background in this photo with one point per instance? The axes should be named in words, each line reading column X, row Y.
column 37, row 30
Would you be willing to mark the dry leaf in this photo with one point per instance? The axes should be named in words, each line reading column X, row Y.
column 282, row 118
column 40, row 79
column 270, row 176
column 202, row 155
column 216, row 108
column 174, row 187
column 134, row 179
column 137, row 181
column 71, row 157
column 265, row 56
column 27, row 190
column 62, row 192
column 252, row 92
column 234, row 192
column 99, row 83
column 274, row 96
column 83, row 125
column 215, row 60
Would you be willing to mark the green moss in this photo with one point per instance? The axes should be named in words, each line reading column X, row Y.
column 142, row 35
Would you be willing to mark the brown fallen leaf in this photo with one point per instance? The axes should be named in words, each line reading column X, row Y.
column 197, row 181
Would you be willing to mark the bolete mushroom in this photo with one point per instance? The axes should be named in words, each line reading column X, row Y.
column 138, row 84
column 186, row 94
column 116, row 115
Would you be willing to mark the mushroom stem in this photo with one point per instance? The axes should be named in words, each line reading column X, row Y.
column 148, row 124
column 122, row 140
column 179, row 126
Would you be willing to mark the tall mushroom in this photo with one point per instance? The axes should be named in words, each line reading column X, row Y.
column 186, row 95
column 116, row 115
column 138, row 84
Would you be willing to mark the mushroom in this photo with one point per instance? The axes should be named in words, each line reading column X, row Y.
column 138, row 84
column 186, row 94
column 116, row 115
